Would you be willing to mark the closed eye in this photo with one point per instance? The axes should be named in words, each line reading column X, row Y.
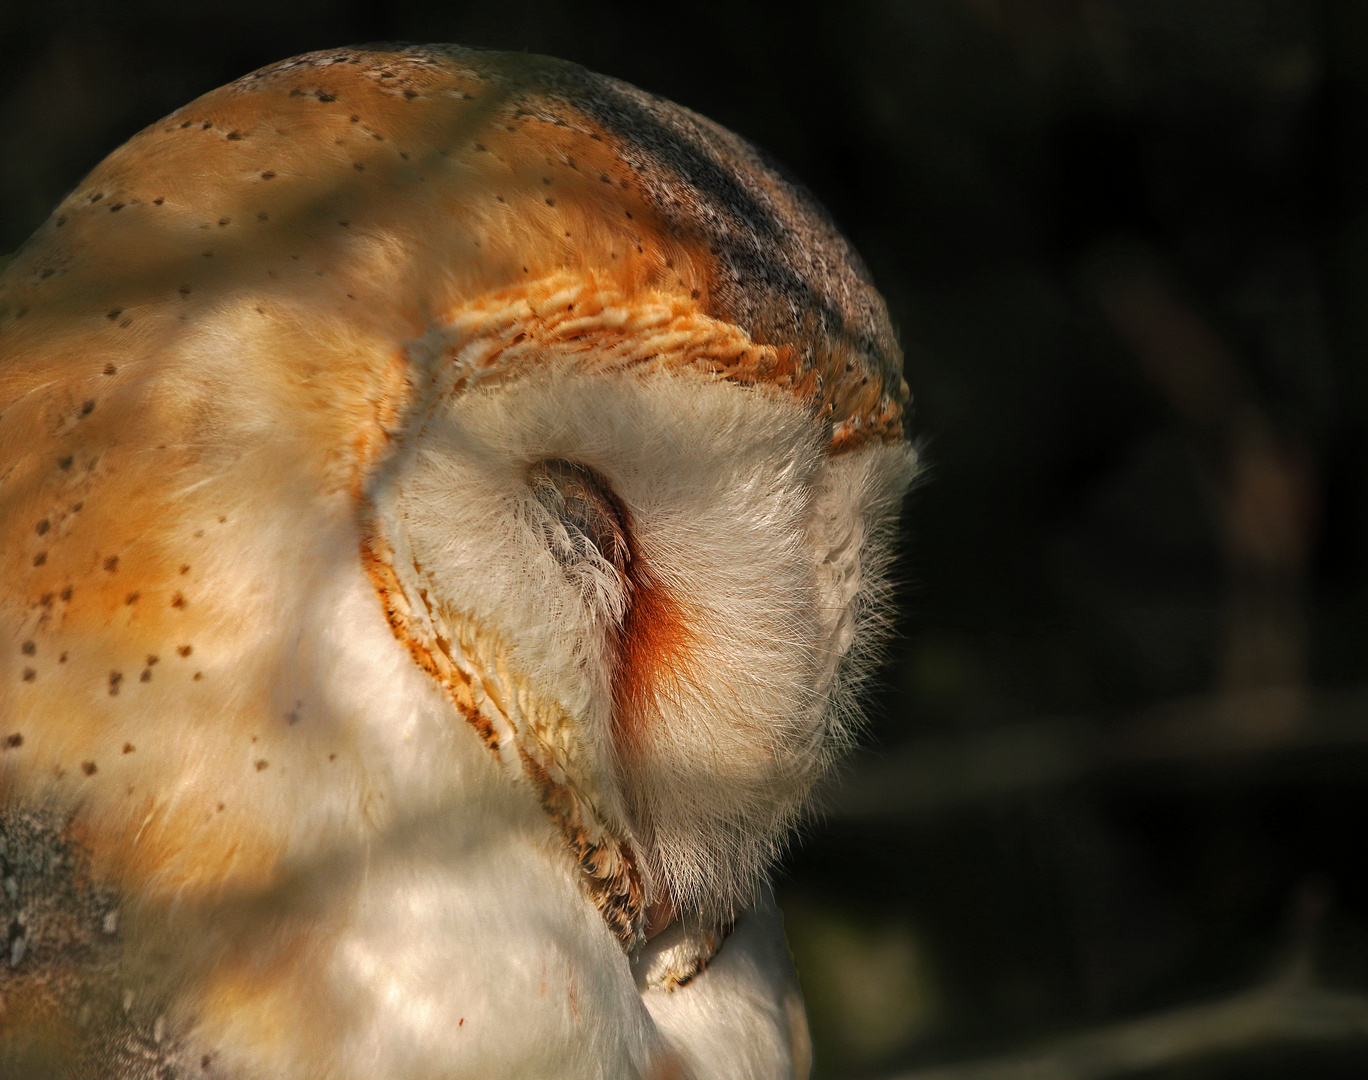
column 587, row 524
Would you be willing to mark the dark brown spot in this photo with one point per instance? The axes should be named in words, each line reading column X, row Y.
column 65, row 594
column 29, row 674
column 146, row 675
column 97, row 197
column 129, row 748
column 110, row 369
column 115, row 677
column 332, row 757
column 223, row 221
column 132, row 598
column 344, row 223
column 114, row 209
column 158, row 202
column 206, row 126
column 184, row 290
column 354, row 118
column 28, row 648
column 112, row 563
column 76, row 508
column 410, row 94
column 43, row 526
column 62, row 659
column 262, row 763
column 114, row 314
column 233, row 136
column 261, row 216
column 550, row 202
column 64, row 463
column 60, row 222
column 46, row 599
column 268, row 175
column 185, row 650
column 178, row 600
column 185, row 569
column 358, row 166
column 87, row 408
column 323, row 95
column 40, row 558
column 152, row 658
column 89, row 768
column 14, row 740
column 198, row 676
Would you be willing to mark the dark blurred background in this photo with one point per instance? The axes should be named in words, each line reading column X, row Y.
column 1110, row 819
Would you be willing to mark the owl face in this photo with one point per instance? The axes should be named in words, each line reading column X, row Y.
column 446, row 505
column 658, row 575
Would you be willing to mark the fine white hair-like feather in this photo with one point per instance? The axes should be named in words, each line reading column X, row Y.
column 772, row 550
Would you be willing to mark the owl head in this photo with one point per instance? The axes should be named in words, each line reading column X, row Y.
column 428, row 431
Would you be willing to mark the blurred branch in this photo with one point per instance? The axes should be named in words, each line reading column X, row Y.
column 1267, row 1016
column 946, row 773
column 1288, row 1008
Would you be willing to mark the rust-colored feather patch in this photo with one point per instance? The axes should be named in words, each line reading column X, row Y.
column 654, row 654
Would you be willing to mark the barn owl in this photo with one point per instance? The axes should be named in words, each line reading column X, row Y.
column 446, row 500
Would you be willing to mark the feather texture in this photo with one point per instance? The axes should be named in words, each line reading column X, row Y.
column 446, row 500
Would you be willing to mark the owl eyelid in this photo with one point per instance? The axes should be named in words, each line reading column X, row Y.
column 582, row 500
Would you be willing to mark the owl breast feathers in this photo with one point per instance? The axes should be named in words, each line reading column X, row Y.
column 445, row 500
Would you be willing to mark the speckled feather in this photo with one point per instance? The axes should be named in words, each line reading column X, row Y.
column 541, row 166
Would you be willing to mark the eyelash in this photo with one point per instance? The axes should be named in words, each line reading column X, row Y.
column 586, row 523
